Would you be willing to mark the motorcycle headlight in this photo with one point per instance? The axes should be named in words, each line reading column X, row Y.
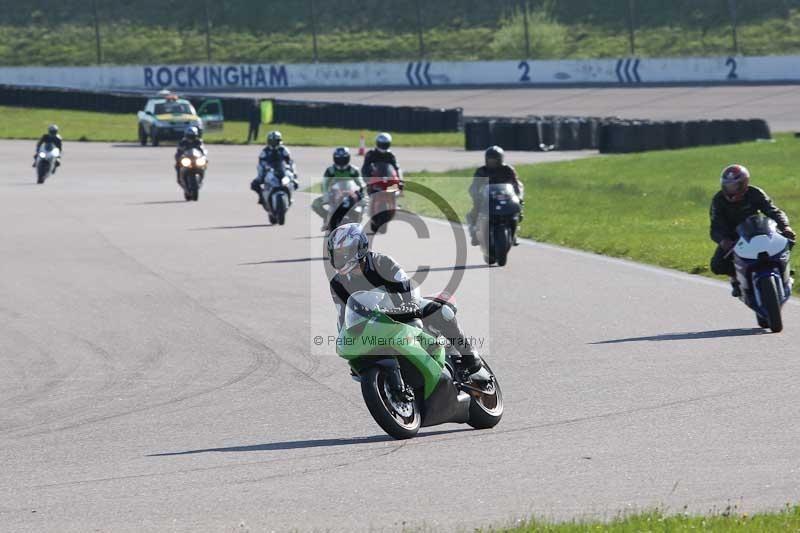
column 42, row 155
column 201, row 161
column 186, row 162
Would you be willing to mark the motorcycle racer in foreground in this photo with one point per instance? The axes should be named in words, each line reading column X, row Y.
column 357, row 268
column 733, row 204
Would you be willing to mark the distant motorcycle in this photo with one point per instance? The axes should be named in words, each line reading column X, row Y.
column 276, row 196
column 344, row 204
column 383, row 187
column 46, row 160
column 192, row 171
column 497, row 221
column 387, row 353
column 761, row 256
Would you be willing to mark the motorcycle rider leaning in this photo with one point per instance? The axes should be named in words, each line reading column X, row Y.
column 492, row 172
column 51, row 137
column 357, row 268
column 341, row 170
column 273, row 154
column 733, row 204
column 191, row 139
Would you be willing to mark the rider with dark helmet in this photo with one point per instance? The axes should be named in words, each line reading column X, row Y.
column 733, row 204
column 191, row 139
column 354, row 267
column 51, row 137
column 273, row 155
column 341, row 170
column 494, row 171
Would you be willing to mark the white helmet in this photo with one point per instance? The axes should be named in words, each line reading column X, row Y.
column 347, row 246
column 383, row 141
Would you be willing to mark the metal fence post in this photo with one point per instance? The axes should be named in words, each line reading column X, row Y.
column 527, row 29
column 98, row 45
column 208, row 32
column 733, row 7
column 632, row 26
column 313, row 31
column 419, row 31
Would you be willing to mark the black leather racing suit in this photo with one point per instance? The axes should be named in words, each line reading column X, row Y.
column 55, row 140
column 726, row 216
column 378, row 156
column 381, row 271
column 490, row 176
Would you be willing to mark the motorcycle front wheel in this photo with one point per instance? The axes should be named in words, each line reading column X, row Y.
column 41, row 171
column 771, row 302
column 192, row 188
column 400, row 420
column 501, row 244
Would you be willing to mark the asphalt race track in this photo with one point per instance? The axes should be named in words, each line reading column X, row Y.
column 158, row 370
column 778, row 104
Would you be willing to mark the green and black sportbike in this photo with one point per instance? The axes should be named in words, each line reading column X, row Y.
column 408, row 376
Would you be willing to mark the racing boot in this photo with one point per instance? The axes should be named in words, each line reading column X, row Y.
column 736, row 290
column 469, row 363
column 473, row 236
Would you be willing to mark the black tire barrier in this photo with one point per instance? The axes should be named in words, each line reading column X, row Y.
column 640, row 136
column 477, row 135
column 503, row 133
column 336, row 115
column 760, row 128
column 568, row 135
column 528, row 137
column 359, row 116
column 676, row 135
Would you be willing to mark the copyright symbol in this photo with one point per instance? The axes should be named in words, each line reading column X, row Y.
column 318, row 340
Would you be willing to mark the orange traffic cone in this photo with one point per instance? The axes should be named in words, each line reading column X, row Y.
column 362, row 145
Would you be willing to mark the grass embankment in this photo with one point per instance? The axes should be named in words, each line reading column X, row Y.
column 551, row 38
column 27, row 123
column 655, row 522
column 651, row 207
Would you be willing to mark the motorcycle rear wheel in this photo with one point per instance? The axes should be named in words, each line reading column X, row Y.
column 486, row 410
column 384, row 409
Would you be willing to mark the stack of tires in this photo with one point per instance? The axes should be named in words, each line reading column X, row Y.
column 373, row 117
column 608, row 135
column 533, row 133
column 628, row 136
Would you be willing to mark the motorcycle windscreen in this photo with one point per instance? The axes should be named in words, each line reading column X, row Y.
column 503, row 190
column 757, row 225
column 361, row 304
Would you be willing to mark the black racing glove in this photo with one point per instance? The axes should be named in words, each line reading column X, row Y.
column 789, row 233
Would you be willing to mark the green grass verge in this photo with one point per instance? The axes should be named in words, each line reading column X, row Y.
column 656, row 522
column 551, row 38
column 651, row 207
column 27, row 123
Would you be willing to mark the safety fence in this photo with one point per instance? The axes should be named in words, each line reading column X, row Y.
column 301, row 113
column 608, row 135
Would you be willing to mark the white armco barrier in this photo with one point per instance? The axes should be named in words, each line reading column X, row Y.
column 622, row 71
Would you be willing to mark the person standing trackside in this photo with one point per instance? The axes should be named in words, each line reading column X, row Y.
column 255, row 121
